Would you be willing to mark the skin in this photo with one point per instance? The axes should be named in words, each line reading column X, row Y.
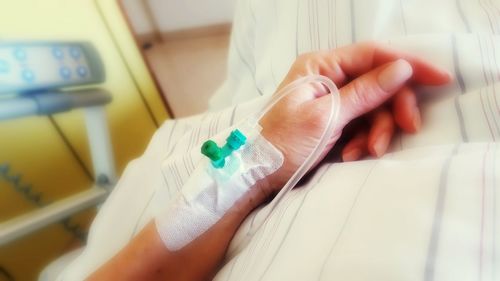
column 375, row 84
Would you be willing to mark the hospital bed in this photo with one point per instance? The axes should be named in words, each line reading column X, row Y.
column 425, row 211
column 367, row 214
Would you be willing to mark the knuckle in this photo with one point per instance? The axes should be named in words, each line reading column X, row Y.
column 364, row 96
column 360, row 93
column 303, row 57
column 372, row 44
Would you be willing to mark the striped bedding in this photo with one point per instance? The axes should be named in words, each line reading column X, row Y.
column 428, row 210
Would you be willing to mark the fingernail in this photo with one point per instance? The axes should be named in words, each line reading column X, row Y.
column 417, row 121
column 351, row 155
column 381, row 144
column 394, row 75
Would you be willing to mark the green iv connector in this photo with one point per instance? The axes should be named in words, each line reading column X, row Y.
column 218, row 154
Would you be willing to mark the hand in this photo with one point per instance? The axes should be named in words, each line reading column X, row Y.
column 371, row 78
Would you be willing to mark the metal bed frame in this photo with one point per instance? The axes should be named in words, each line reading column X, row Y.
column 92, row 101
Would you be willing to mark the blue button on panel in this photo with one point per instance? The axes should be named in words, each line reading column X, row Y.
column 57, row 53
column 75, row 53
column 82, row 71
column 4, row 67
column 28, row 75
column 19, row 54
column 65, row 73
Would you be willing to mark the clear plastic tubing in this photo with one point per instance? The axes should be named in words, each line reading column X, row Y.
column 320, row 146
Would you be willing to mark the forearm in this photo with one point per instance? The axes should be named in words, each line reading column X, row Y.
column 147, row 258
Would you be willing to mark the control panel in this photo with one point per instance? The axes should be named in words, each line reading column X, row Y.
column 34, row 66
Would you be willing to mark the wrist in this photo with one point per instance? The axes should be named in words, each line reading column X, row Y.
column 252, row 199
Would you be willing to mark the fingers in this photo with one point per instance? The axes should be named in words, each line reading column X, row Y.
column 371, row 90
column 379, row 73
column 356, row 147
column 381, row 132
column 355, row 60
column 405, row 109
column 374, row 141
column 405, row 114
column 366, row 94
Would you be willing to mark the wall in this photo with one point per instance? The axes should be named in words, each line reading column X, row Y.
column 138, row 16
column 173, row 15
column 32, row 146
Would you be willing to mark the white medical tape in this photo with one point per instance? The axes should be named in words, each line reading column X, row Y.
column 209, row 192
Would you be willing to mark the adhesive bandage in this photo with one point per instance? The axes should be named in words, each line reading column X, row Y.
column 216, row 184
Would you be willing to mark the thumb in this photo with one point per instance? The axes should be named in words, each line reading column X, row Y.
column 370, row 90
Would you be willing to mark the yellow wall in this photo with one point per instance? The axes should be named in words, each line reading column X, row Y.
column 31, row 145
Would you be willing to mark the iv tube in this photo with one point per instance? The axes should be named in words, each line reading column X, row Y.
column 320, row 146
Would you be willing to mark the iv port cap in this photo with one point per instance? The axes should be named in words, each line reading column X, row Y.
column 211, row 150
column 216, row 154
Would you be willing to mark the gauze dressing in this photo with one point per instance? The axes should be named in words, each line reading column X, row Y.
column 213, row 188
